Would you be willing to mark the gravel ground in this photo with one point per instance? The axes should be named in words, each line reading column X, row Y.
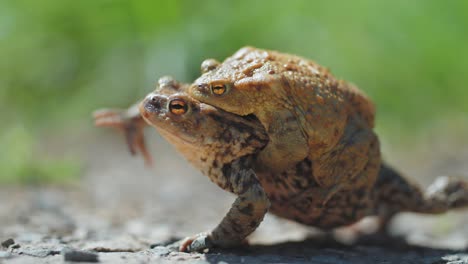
column 122, row 212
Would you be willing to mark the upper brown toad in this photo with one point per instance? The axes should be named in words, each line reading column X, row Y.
column 305, row 110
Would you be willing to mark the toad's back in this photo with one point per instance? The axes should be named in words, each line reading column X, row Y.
column 307, row 112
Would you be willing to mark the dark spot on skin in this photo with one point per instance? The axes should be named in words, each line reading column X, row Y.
column 344, row 214
column 336, row 132
column 300, row 170
column 245, row 144
column 237, row 179
column 283, row 183
column 259, row 191
column 298, row 184
column 253, row 224
column 248, row 184
column 203, row 159
column 236, row 227
column 308, row 163
column 248, row 210
column 215, row 164
column 227, row 170
column 334, row 153
column 290, row 118
column 227, row 136
column 282, row 198
column 336, row 110
column 227, row 152
column 272, row 197
column 360, row 193
column 223, row 231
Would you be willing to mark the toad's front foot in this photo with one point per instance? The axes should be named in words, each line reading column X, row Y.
column 197, row 243
column 203, row 241
column 246, row 212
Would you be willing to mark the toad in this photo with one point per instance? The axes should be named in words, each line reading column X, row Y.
column 229, row 147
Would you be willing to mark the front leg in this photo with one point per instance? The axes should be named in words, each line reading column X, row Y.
column 287, row 144
column 130, row 122
column 245, row 214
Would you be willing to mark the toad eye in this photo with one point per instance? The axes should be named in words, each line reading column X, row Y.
column 178, row 107
column 218, row 89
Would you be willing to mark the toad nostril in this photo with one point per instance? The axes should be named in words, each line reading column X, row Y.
column 153, row 102
column 203, row 87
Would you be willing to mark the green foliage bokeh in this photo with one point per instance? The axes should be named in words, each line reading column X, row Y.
column 59, row 60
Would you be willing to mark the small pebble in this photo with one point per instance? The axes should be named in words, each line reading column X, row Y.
column 79, row 256
column 8, row 242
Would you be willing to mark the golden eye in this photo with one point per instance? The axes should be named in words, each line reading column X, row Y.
column 218, row 89
column 178, row 107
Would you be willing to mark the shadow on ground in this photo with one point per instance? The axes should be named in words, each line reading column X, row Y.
column 325, row 250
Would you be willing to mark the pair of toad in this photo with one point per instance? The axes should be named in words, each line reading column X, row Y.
column 285, row 136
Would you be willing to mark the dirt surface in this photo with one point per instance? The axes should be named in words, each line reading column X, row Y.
column 122, row 212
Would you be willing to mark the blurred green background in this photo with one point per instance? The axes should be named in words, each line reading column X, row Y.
column 61, row 59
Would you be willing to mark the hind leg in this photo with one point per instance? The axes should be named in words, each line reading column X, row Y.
column 393, row 194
